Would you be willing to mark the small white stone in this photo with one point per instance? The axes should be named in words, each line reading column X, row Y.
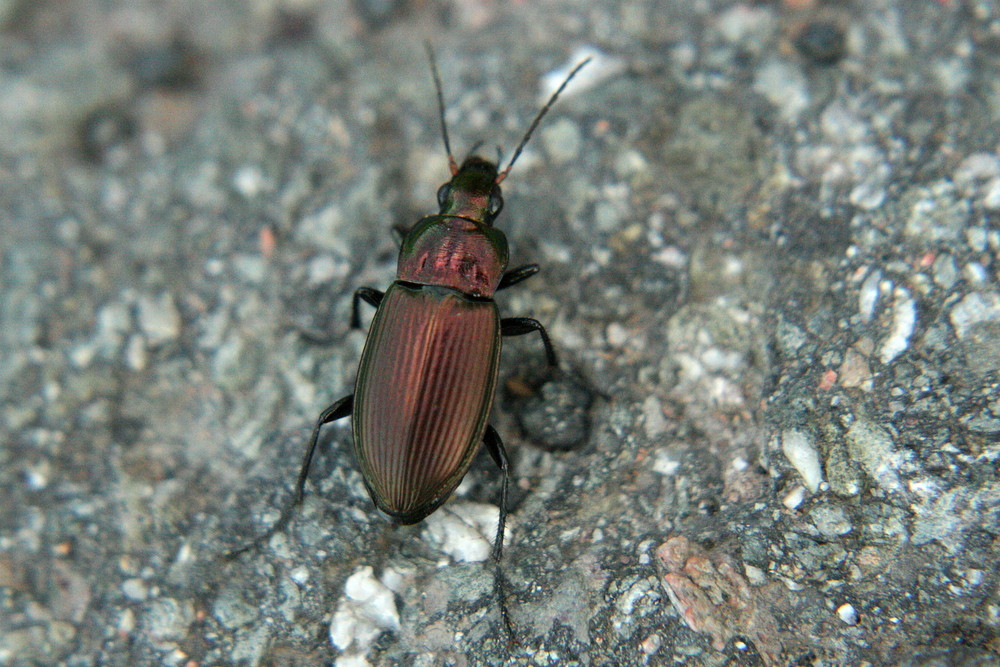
column 367, row 610
column 664, row 464
column 463, row 530
column 135, row 589
column 800, row 451
column 617, row 335
column 37, row 475
column 975, row 273
column 299, row 575
column 848, row 614
column 785, row 86
column 562, row 141
column 601, row 67
column 991, row 195
column 868, row 296
column 794, row 497
column 670, row 256
column 136, row 355
column 755, row 575
column 159, row 318
column 904, row 319
column 654, row 422
column 352, row 660
column 868, row 196
column 249, row 181
column 973, row 309
column 324, row 268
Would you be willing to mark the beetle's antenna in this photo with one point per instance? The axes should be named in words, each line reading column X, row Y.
column 440, row 95
column 538, row 118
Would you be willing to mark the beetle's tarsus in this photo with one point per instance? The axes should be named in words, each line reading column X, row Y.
column 338, row 410
column 515, row 276
column 518, row 326
column 500, row 588
column 371, row 296
column 316, row 336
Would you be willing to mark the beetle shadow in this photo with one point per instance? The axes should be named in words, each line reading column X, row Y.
column 551, row 406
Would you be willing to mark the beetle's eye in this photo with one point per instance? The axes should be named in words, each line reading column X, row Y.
column 443, row 193
column 496, row 202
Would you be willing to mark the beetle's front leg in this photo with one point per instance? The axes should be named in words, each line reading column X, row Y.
column 514, row 276
column 371, row 296
column 518, row 326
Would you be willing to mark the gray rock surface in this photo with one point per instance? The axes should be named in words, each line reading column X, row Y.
column 769, row 249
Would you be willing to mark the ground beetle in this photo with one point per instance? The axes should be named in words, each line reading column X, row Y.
column 429, row 368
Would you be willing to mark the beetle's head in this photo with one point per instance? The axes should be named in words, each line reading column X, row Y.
column 473, row 191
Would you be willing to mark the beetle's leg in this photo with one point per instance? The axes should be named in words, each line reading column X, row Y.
column 494, row 445
column 338, row 410
column 514, row 276
column 400, row 232
column 371, row 296
column 518, row 326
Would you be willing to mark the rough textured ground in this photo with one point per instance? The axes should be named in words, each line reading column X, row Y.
column 770, row 263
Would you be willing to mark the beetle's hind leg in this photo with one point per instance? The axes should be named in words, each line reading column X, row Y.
column 518, row 326
column 338, row 410
column 370, row 296
column 515, row 276
column 494, row 445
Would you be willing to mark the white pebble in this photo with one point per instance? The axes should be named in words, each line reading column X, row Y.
column 159, row 318
column 794, row 497
column 464, row 530
column 904, row 319
column 801, row 452
column 868, row 296
column 974, row 309
column 848, row 614
column 367, row 610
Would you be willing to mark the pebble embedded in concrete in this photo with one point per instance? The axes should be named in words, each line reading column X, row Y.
column 463, row 530
column 367, row 609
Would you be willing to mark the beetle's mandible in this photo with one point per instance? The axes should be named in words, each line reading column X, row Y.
column 429, row 368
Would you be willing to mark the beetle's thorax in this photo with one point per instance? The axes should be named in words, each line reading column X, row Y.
column 456, row 252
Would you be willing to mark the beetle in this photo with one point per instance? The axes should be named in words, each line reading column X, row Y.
column 429, row 368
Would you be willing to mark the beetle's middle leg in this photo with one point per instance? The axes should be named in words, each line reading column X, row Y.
column 371, row 296
column 494, row 445
column 518, row 326
column 338, row 410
